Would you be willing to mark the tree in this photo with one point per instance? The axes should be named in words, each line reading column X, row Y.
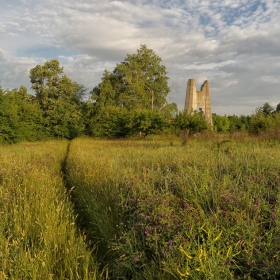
column 278, row 107
column 59, row 98
column 260, row 123
column 137, row 86
column 9, row 119
column 20, row 117
column 197, row 123
column 111, row 122
column 105, row 92
column 267, row 109
column 146, row 122
column 220, row 123
column 245, row 121
column 193, row 123
column 235, row 123
column 263, row 120
column 1, row 92
column 139, row 82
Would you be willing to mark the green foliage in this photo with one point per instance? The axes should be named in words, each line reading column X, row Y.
column 20, row 117
column 9, row 120
column 111, row 122
column 239, row 123
column 197, row 123
column 146, row 122
column 59, row 99
column 105, row 93
column 232, row 123
column 115, row 122
column 220, row 123
column 169, row 111
column 131, row 99
column 139, row 82
column 266, row 109
column 45, row 81
column 261, row 122
column 182, row 120
column 194, row 122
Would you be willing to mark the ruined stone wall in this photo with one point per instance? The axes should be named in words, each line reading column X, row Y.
column 199, row 100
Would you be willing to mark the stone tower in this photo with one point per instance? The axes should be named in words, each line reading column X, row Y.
column 199, row 100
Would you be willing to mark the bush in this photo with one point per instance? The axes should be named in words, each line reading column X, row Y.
column 193, row 123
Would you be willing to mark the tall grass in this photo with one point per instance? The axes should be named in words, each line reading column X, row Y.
column 38, row 236
column 204, row 210
column 150, row 210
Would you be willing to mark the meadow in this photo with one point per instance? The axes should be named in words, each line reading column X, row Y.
column 123, row 209
column 38, row 235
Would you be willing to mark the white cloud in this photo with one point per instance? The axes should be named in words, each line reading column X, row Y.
column 13, row 24
column 207, row 66
column 15, row 69
column 271, row 79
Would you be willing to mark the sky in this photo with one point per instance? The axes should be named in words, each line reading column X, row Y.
column 235, row 44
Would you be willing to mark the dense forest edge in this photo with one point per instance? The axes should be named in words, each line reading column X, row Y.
column 130, row 101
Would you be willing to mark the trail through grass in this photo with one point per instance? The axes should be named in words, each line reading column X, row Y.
column 206, row 210
column 38, row 236
column 144, row 210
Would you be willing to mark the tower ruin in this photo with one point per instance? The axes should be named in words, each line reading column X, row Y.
column 199, row 100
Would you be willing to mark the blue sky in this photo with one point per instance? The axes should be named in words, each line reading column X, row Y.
column 235, row 44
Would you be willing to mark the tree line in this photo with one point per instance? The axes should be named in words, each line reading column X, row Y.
column 130, row 100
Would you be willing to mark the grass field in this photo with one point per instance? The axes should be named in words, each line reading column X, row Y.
column 148, row 210
column 38, row 236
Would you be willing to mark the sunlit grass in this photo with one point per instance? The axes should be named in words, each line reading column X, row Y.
column 38, row 236
column 149, row 205
column 148, row 209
